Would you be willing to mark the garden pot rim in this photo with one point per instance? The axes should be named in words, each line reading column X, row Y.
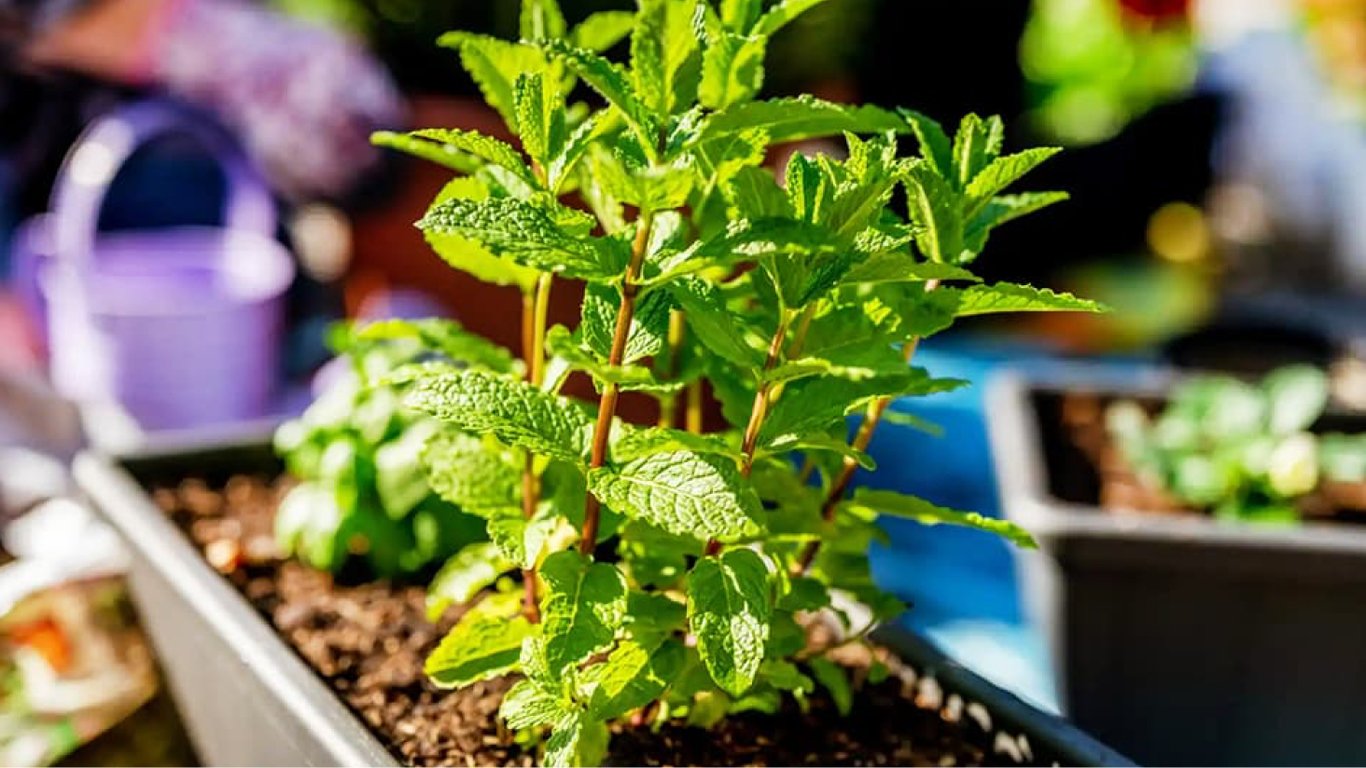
column 120, row 499
column 152, row 536
column 1022, row 476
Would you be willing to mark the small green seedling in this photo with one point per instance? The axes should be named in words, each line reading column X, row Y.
column 665, row 573
column 362, row 490
column 1240, row 450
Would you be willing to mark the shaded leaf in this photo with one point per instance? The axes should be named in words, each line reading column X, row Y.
column 729, row 606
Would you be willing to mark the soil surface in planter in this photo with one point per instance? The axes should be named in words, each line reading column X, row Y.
column 368, row 642
column 1086, row 467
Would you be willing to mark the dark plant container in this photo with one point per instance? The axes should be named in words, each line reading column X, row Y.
column 248, row 699
column 1177, row 638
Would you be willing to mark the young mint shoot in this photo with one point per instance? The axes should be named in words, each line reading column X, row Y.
column 666, row 573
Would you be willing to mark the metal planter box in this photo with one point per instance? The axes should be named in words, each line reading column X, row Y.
column 1176, row 638
column 248, row 699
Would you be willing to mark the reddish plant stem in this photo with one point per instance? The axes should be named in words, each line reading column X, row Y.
column 607, row 403
column 849, row 466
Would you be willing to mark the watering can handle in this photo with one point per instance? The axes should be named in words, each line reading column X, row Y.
column 106, row 145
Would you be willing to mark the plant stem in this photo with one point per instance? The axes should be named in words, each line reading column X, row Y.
column 766, row 393
column 535, row 309
column 668, row 404
column 607, row 403
column 692, row 420
column 759, row 409
column 862, row 438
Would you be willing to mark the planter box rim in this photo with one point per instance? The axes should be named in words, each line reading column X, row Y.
column 119, row 498
column 151, row 536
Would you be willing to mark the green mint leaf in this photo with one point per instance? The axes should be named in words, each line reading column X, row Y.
column 834, row 679
column 540, row 119
column 582, row 606
column 804, row 594
column 918, row 313
column 653, row 616
column 813, row 405
column 755, row 192
column 612, row 83
column 486, row 148
column 399, row 477
column 784, row 676
column 485, row 643
column 934, row 209
column 665, row 59
column 820, row 444
column 515, row 412
column 935, row 149
column 729, row 607
column 602, row 30
column 740, row 15
column 307, row 523
column 975, row 145
column 649, row 324
column 529, row 235
column 447, row 338
column 636, row 442
column 654, row 558
column 1010, row 297
column 914, row 508
column 684, row 493
column 732, row 61
column 708, row 318
column 783, row 14
column 894, row 267
column 495, row 66
column 541, row 20
column 855, row 370
column 471, row 473
column 467, row 573
column 624, row 171
column 800, row 117
column 1002, row 209
column 521, row 540
column 631, row 677
column 631, row 378
column 564, row 163
column 444, row 155
column 467, row 255
column 1004, row 171
column 579, row 739
column 528, row 705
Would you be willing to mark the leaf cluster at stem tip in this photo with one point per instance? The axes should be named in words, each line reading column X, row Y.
column 656, row 571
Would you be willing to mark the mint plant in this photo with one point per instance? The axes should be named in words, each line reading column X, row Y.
column 362, row 492
column 667, row 573
column 1240, row 450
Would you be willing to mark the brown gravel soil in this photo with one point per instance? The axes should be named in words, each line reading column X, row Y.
column 368, row 642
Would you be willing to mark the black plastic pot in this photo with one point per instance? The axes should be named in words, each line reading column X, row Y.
column 249, row 700
column 1181, row 640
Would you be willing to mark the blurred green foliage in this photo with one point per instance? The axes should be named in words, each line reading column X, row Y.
column 1092, row 67
column 1242, row 450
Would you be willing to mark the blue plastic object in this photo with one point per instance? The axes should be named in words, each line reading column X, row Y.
column 961, row 583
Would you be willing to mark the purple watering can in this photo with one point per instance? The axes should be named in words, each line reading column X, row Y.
column 181, row 326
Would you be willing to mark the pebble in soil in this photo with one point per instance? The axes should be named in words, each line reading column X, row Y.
column 368, row 642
